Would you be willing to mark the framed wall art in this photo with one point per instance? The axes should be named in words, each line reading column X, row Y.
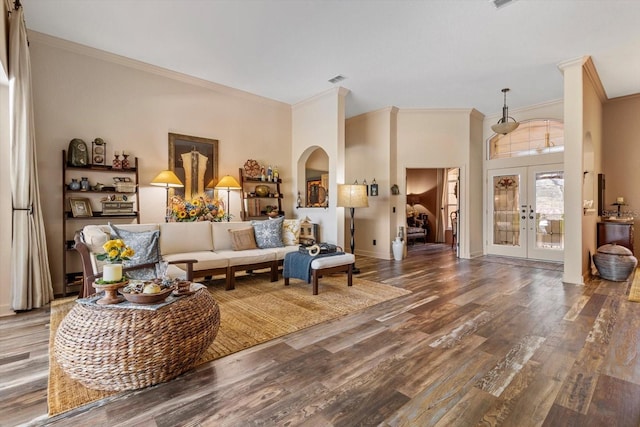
column 374, row 188
column 80, row 207
column 195, row 161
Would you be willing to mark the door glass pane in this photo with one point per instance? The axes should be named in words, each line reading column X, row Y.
column 550, row 210
column 506, row 219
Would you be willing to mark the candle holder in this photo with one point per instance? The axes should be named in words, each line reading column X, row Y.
column 125, row 161
column 117, row 163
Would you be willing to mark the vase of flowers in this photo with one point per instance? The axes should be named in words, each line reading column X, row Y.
column 116, row 251
column 197, row 209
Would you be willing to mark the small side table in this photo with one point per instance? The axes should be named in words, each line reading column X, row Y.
column 117, row 348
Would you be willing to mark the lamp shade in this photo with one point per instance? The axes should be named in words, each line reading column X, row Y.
column 228, row 183
column 212, row 183
column 167, row 179
column 352, row 196
column 505, row 127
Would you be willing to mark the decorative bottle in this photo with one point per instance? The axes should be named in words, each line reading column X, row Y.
column 74, row 185
column 84, row 184
column 276, row 174
column 269, row 173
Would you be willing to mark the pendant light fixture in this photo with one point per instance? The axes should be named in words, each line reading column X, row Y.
column 504, row 126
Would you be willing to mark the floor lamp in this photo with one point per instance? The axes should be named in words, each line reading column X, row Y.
column 167, row 179
column 352, row 196
column 228, row 183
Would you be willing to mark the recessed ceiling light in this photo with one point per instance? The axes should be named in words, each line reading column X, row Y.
column 337, row 79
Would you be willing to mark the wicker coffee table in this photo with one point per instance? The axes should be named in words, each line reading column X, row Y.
column 126, row 349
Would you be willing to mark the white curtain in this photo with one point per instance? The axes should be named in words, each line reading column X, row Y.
column 30, row 276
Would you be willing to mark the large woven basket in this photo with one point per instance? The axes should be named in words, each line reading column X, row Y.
column 126, row 349
column 614, row 262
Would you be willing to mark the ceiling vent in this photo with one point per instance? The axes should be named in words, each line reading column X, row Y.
column 500, row 3
column 337, row 79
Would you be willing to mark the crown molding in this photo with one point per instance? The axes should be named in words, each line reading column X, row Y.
column 594, row 77
column 80, row 49
column 337, row 91
column 386, row 110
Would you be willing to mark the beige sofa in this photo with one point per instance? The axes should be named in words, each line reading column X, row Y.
column 206, row 246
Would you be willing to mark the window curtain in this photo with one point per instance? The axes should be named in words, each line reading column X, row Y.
column 30, row 276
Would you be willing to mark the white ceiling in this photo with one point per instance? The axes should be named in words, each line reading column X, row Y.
column 409, row 54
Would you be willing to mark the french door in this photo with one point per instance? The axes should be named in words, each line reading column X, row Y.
column 526, row 206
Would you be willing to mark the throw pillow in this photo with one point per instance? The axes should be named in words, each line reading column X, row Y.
column 145, row 244
column 291, row 232
column 243, row 239
column 268, row 233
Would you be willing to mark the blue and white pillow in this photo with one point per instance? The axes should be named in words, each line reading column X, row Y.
column 268, row 233
column 145, row 244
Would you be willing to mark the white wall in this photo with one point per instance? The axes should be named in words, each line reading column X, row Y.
column 444, row 139
column 319, row 122
column 591, row 140
column 85, row 93
column 369, row 150
column 573, row 134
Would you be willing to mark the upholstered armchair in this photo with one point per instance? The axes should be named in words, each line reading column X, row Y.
column 417, row 227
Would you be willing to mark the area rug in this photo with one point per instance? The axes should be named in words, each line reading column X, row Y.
column 255, row 312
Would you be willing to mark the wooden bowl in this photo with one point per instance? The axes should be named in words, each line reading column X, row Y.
column 147, row 298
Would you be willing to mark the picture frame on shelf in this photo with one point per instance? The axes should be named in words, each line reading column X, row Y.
column 80, row 207
column 194, row 160
column 314, row 195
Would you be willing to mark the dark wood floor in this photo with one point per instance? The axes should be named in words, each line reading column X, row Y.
column 489, row 341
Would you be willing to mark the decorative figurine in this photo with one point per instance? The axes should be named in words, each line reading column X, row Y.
column 78, row 154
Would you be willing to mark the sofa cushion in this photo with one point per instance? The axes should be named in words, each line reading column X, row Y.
column 243, row 239
column 291, row 232
column 205, row 260
column 146, row 246
column 248, row 257
column 283, row 251
column 184, row 237
column 268, row 233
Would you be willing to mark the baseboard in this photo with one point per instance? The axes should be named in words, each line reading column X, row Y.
column 5, row 310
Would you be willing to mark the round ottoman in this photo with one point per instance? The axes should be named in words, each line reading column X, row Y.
column 614, row 262
column 112, row 348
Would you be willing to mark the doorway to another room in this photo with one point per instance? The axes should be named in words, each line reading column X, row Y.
column 432, row 209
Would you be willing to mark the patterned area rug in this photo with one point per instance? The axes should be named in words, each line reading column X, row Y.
column 255, row 312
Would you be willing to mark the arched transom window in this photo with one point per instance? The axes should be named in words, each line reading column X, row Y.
column 531, row 138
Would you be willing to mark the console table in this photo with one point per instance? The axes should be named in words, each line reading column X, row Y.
column 116, row 348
